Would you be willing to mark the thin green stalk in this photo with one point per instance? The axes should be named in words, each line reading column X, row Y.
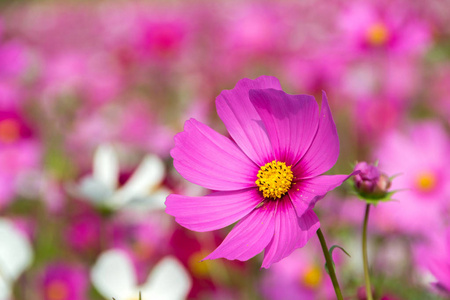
column 330, row 266
column 364, row 251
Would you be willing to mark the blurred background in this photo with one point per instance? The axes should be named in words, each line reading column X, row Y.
column 92, row 93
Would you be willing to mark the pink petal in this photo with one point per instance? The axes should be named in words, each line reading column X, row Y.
column 290, row 233
column 211, row 160
column 250, row 236
column 214, row 211
column 324, row 150
column 291, row 121
column 309, row 223
column 306, row 192
column 243, row 122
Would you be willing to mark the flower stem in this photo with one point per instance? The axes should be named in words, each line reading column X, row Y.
column 364, row 251
column 329, row 263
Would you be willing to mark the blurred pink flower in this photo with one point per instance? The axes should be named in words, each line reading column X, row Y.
column 396, row 81
column 433, row 256
column 274, row 134
column 299, row 276
column 317, row 71
column 388, row 27
column 161, row 38
column 375, row 116
column 83, row 233
column 133, row 126
column 140, row 128
column 10, row 96
column 255, row 29
column 420, row 157
column 20, row 153
column 92, row 77
column 62, row 281
column 13, row 59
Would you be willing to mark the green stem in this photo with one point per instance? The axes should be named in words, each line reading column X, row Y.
column 329, row 263
column 364, row 251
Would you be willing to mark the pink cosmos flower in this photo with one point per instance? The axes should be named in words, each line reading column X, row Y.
column 420, row 155
column 266, row 176
column 433, row 256
column 299, row 276
column 20, row 154
column 64, row 282
column 368, row 27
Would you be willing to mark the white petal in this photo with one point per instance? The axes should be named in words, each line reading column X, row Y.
column 94, row 190
column 148, row 175
column 113, row 275
column 5, row 289
column 167, row 281
column 155, row 201
column 15, row 251
column 106, row 166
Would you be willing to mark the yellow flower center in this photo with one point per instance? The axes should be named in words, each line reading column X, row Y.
column 9, row 131
column 377, row 34
column 274, row 179
column 312, row 277
column 57, row 290
column 426, row 181
column 199, row 268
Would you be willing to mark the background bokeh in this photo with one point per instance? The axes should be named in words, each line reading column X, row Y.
column 124, row 76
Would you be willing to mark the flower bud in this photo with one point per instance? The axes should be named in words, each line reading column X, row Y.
column 370, row 182
column 382, row 186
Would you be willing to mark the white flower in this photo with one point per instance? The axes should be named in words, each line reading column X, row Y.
column 139, row 192
column 15, row 256
column 113, row 276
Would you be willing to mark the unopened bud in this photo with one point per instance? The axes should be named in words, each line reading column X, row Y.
column 370, row 182
column 382, row 186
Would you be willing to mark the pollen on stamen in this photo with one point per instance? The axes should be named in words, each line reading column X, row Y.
column 274, row 179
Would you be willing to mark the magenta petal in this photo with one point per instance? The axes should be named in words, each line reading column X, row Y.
column 214, row 211
column 211, row 160
column 305, row 193
column 242, row 120
column 324, row 150
column 250, row 236
column 291, row 121
column 309, row 223
column 290, row 232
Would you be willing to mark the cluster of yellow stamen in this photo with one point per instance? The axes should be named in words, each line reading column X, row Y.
column 312, row 277
column 426, row 181
column 274, row 179
column 377, row 34
column 57, row 290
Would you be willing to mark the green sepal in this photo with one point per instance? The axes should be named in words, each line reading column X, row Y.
column 371, row 199
column 375, row 201
column 337, row 246
column 331, row 255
